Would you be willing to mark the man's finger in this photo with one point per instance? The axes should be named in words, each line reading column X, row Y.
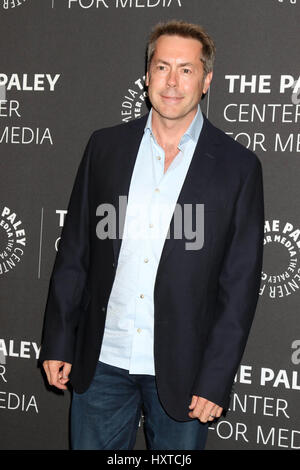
column 56, row 381
column 206, row 411
column 52, row 369
column 212, row 413
column 64, row 373
column 193, row 402
column 46, row 369
column 196, row 412
column 54, row 376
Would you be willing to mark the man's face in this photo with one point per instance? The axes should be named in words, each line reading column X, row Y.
column 175, row 78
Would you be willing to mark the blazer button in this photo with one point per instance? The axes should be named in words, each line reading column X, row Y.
column 103, row 309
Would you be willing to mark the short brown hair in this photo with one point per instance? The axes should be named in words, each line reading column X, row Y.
column 186, row 30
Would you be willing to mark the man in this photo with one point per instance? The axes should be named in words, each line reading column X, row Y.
column 156, row 323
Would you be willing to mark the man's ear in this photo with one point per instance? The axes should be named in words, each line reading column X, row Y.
column 207, row 82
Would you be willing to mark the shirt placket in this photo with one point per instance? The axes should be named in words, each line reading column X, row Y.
column 143, row 322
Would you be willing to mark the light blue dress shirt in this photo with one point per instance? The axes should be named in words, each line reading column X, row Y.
column 153, row 193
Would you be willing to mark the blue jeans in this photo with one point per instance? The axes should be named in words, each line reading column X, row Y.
column 107, row 415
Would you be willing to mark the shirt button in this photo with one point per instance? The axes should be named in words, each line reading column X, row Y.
column 139, row 330
column 146, row 260
column 141, row 296
column 151, row 225
column 157, row 190
column 158, row 158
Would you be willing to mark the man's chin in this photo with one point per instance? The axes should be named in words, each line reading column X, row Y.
column 171, row 115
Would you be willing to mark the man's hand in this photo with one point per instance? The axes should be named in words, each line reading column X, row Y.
column 57, row 373
column 204, row 409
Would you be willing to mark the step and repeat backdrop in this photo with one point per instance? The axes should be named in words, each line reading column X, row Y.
column 69, row 67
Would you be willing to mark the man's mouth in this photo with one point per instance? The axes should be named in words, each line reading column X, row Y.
column 172, row 99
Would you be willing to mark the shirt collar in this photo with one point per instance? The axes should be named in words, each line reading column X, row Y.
column 192, row 132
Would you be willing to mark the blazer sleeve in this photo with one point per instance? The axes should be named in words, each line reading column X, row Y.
column 238, row 292
column 69, row 272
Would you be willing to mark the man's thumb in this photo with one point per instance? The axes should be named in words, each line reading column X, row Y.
column 193, row 402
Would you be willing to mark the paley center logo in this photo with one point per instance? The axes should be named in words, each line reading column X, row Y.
column 134, row 101
column 12, row 240
column 85, row 4
column 288, row 2
column 11, row 107
column 281, row 270
column 6, row 4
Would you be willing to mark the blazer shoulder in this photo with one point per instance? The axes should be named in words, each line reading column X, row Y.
column 120, row 130
column 233, row 152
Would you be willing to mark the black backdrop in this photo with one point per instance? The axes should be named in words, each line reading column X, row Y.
column 70, row 67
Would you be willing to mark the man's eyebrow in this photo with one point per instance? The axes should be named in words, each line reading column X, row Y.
column 162, row 61
column 181, row 64
column 186, row 64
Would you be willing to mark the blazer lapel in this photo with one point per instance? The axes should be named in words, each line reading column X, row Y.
column 126, row 159
column 198, row 176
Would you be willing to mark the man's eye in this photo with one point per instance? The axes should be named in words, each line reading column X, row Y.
column 161, row 67
column 187, row 71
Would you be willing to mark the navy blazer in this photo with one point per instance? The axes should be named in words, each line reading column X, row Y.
column 204, row 300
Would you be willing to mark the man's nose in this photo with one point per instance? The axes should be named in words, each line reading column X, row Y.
column 172, row 78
